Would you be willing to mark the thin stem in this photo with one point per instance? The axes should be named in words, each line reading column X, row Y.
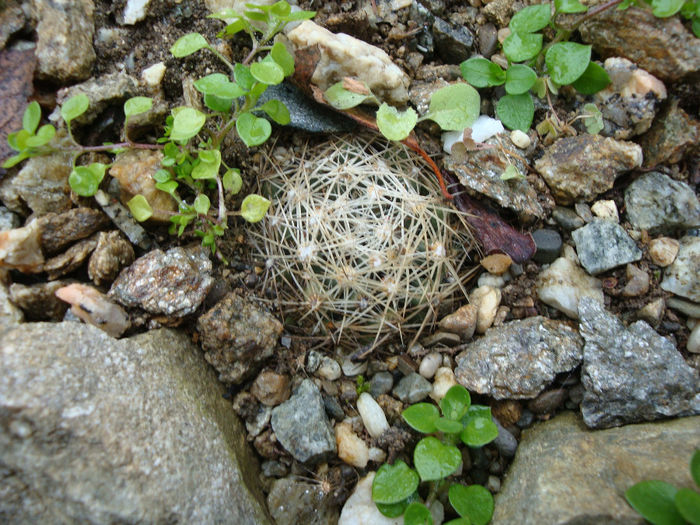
column 222, row 205
column 108, row 147
column 222, row 58
column 432, row 493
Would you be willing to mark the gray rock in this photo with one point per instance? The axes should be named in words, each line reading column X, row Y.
column 94, row 430
column 505, row 442
column 488, row 39
column 548, row 243
column 567, row 218
column 12, row 19
column 38, row 301
column 10, row 315
column 381, row 383
column 631, row 374
column 292, row 501
column 453, row 43
column 413, row 388
column 673, row 135
column 520, row 358
column 64, row 46
column 172, row 283
column 657, row 203
column 582, row 167
column 602, row 245
column 682, row 277
column 237, row 337
column 566, row 474
column 302, row 427
column 111, row 254
column 8, row 220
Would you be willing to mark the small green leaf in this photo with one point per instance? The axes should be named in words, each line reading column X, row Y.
column 519, row 79
column 448, row 426
column 593, row 79
column 695, row 467
column 208, row 166
column 139, row 208
column 539, row 88
column 267, row 71
column 242, row 76
column 520, row 47
column 695, row 26
column 277, row 111
column 43, row 136
column 433, row 460
column 188, row 44
column 254, row 207
column 232, row 181
column 473, row 502
column 161, row 175
column 168, row 186
column 395, row 124
column 15, row 159
column 253, row 130
column 666, row 8
column 511, row 172
column 280, row 9
column 221, row 105
column 31, row 117
column 455, row 403
column 417, row 514
column 458, row 521
column 593, row 120
column 234, row 27
column 479, row 428
column 187, row 123
column 74, row 107
column 688, row 505
column 421, row 417
column 394, row 483
column 454, row 107
column 219, row 85
column 85, row 180
column 569, row 6
column 341, row 98
column 283, row 58
column 655, row 501
column 566, row 61
column 530, row 19
column 257, row 16
column 481, row 73
column 394, row 510
column 299, row 15
column 516, row 111
column 137, row 105
column 202, row 204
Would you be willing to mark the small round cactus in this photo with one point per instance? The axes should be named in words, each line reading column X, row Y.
column 358, row 243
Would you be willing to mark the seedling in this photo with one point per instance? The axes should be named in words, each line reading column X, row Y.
column 435, row 458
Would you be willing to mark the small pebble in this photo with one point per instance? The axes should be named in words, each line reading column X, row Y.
column 567, row 218
column 487, row 300
column 429, row 365
column 372, row 415
column 313, row 361
column 526, row 419
column 488, row 279
column 347, row 391
column 381, row 383
column 493, row 484
column 351, row 448
column 520, row 139
column 548, row 243
column 497, row 263
column 377, row 455
column 584, row 211
column 686, row 307
column 693, row 345
column 328, row 369
column 273, row 469
column 413, row 388
column 606, row 209
column 271, row 388
column 547, row 402
column 440, row 337
column 663, row 251
column 352, row 368
column 332, row 407
column 637, row 282
column 444, row 380
column 507, row 411
column 461, row 322
column 505, row 442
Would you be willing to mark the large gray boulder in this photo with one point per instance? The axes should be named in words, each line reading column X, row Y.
column 95, row 430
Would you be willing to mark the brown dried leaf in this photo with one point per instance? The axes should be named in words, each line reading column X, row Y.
column 355, row 86
column 305, row 61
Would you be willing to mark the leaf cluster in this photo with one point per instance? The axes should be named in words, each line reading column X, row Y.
column 395, row 487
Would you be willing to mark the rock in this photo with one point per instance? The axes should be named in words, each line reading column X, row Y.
column 345, row 56
column 301, row 425
column 122, row 219
column 38, row 301
column 260, row 420
column 567, row 218
column 663, row 251
column 360, row 508
column 637, row 282
column 134, row 170
column 602, row 245
column 444, row 380
column 271, row 388
column 352, row 368
column 606, row 209
column 237, row 337
column 564, row 283
column 681, row 278
column 630, row 102
column 429, row 365
column 652, row 312
column 381, row 383
column 520, row 139
column 488, row 40
column 657, row 203
column 351, row 448
column 61, row 230
column 71, row 259
column 413, row 388
column 333, row 408
column 519, row 359
column 172, row 283
column 292, row 501
column 8, row 220
column 673, row 135
column 488, row 279
column 548, row 243
column 95, row 308
column 12, row 19
column 20, row 249
column 134, row 11
column 497, row 263
column 688, row 308
column 505, row 442
column 10, row 315
column 507, row 412
column 582, row 167
column 693, row 345
column 461, row 322
column 453, row 43
column 631, row 374
column 486, row 299
column 329, row 369
column 64, row 47
column 111, row 254
column 561, row 453
column 662, row 46
column 548, row 401
column 142, row 426
column 372, row 415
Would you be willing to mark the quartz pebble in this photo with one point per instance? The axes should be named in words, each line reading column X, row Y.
column 663, row 251
column 372, row 415
column 486, row 299
column 351, row 448
column 606, row 210
column 444, row 380
column 95, row 308
column 681, row 278
column 520, row 139
column 462, row 321
column 489, row 279
column 430, row 364
column 360, row 508
column 693, row 345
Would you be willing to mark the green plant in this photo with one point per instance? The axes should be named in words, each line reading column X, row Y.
column 661, row 503
column 688, row 9
column 395, row 487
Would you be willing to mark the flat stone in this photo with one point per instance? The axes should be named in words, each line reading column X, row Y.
column 673, row 135
column 302, row 427
column 413, row 388
column 71, row 259
column 143, row 430
column 602, row 245
column 292, row 501
column 567, row 218
column 548, row 244
column 631, row 374
column 111, row 254
column 681, row 278
column 519, row 358
column 565, row 473
column 564, row 283
column 61, row 230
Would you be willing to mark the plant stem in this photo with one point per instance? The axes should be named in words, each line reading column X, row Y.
column 108, row 147
column 221, row 57
column 432, row 493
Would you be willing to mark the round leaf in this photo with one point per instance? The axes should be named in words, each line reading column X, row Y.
column 201, row 204
column 188, row 44
column 473, row 502
column 277, row 111
column 481, row 73
column 520, row 47
column 85, row 180
column 394, row 510
column 219, row 85
column 519, row 79
column 43, row 136
column 666, row 8
column 74, row 107
column 395, row 124
column 341, row 98
column 593, row 79
column 530, row 19
column 268, row 72
column 455, row 403
column 695, row 467
column 566, row 61
column 232, row 181
column 31, row 117
column 454, row 107
column 187, row 123
column 479, row 428
column 283, row 58
column 136, row 105
column 569, row 6
column 594, row 119
column 394, row 483
column 516, row 111
column 140, row 208
column 433, row 460
column 253, row 130
column 222, row 105
column 242, row 76
column 448, row 426
column 417, row 514
column 421, row 417
column 688, row 504
column 208, row 167
column 655, row 501
column 254, row 207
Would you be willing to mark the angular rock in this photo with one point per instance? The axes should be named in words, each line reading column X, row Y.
column 413, row 388
column 657, row 203
column 461, row 322
column 548, row 244
column 673, row 135
column 8, row 220
column 662, row 46
column 271, row 388
column 292, row 501
column 93, row 307
column 351, row 448
column 20, row 249
column 637, row 282
column 301, row 425
column 172, row 283
column 562, row 453
column 453, row 43
column 602, row 245
column 142, row 427
column 134, row 11
column 564, row 283
column 631, row 374
column 61, row 230
column 237, row 337
column 519, row 359
column 582, row 167
column 38, row 301
column 10, row 315
column 681, row 278
column 111, row 254
column 71, row 259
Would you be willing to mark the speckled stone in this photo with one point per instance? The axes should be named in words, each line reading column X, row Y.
column 293, row 501
column 603, row 245
column 681, row 278
column 413, row 388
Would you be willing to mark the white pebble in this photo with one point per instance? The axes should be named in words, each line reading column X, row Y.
column 351, row 448
column 694, row 340
column 153, row 76
column 372, row 415
column 329, row 369
column 563, row 284
column 351, row 368
column 486, row 299
column 663, row 251
column 360, row 509
column 606, row 210
column 430, row 364
column 520, row 139
column 444, row 380
column 377, row 455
